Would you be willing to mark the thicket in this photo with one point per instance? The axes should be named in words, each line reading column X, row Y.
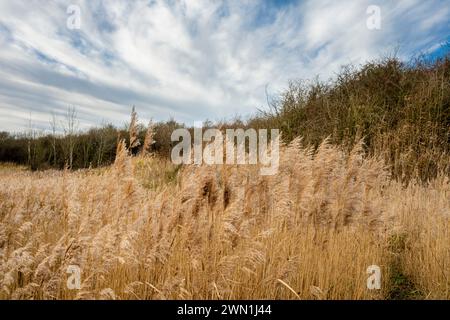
column 401, row 110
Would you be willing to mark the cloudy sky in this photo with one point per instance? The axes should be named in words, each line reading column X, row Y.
column 190, row 60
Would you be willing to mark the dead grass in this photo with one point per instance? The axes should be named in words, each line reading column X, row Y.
column 145, row 229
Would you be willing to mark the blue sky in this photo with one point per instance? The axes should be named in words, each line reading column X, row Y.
column 191, row 60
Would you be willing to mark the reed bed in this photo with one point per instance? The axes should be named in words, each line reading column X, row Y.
column 146, row 229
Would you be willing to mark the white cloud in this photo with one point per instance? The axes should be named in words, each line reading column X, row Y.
column 192, row 59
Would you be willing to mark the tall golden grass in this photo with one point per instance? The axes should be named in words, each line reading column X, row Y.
column 146, row 229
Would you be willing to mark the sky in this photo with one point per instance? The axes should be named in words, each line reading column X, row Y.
column 190, row 60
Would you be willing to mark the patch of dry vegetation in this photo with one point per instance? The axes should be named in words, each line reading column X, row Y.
column 223, row 232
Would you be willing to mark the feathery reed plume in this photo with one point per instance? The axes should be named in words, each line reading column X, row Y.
column 134, row 139
column 149, row 138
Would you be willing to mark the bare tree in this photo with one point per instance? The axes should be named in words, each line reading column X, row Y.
column 54, row 127
column 30, row 136
column 103, row 142
column 35, row 151
column 101, row 147
column 70, row 127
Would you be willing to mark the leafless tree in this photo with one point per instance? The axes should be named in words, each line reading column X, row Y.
column 101, row 146
column 70, row 127
column 30, row 136
column 54, row 127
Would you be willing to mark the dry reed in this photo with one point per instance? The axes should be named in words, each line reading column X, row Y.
column 223, row 232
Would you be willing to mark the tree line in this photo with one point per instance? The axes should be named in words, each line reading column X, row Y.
column 67, row 147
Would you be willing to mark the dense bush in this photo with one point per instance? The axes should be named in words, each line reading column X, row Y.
column 402, row 110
